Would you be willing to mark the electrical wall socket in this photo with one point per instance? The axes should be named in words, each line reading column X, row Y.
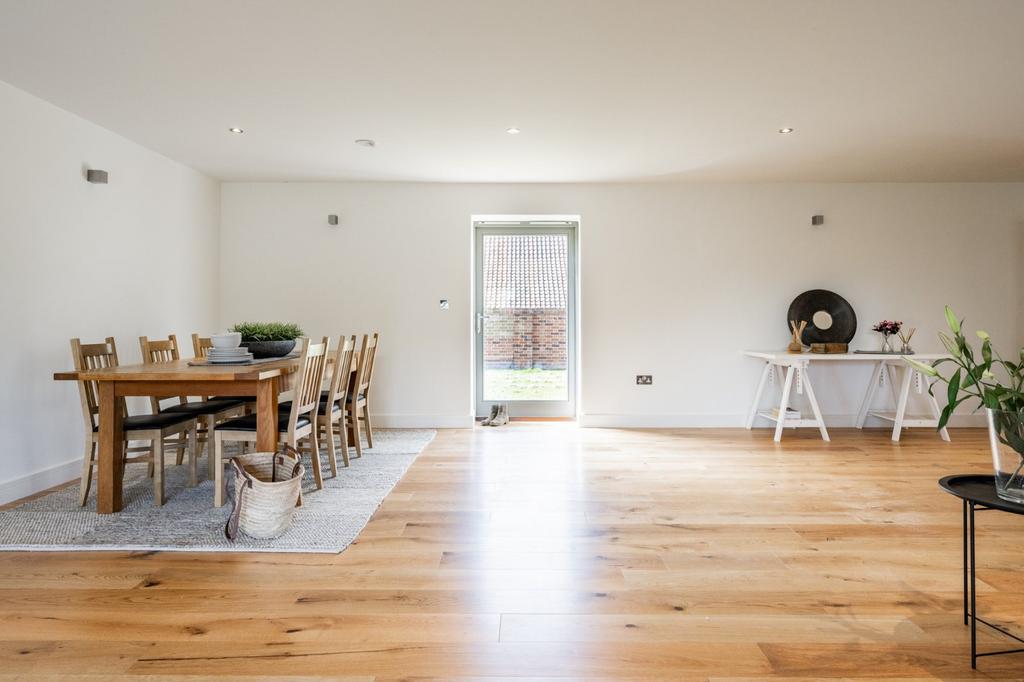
column 644, row 379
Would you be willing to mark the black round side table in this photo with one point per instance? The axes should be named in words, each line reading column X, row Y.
column 978, row 493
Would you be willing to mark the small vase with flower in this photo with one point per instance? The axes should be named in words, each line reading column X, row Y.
column 888, row 329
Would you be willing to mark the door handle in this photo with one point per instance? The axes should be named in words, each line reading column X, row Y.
column 479, row 322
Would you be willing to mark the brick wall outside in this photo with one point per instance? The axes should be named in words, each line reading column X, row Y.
column 525, row 338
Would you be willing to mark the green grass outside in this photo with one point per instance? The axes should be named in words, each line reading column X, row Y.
column 526, row 384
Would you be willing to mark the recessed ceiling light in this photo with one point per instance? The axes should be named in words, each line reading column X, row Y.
column 236, row 131
column 363, row 142
column 786, row 131
column 513, row 130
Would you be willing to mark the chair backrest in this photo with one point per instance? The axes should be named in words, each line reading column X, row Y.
column 371, row 362
column 201, row 345
column 160, row 350
column 157, row 351
column 364, row 370
column 88, row 356
column 306, row 392
column 338, row 388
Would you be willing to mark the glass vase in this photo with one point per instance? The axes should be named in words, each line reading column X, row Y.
column 886, row 343
column 1006, row 438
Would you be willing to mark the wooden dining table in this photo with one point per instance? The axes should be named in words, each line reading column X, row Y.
column 168, row 380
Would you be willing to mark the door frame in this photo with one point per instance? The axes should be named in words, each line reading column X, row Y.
column 539, row 225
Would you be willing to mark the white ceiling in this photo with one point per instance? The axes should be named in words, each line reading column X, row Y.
column 878, row 90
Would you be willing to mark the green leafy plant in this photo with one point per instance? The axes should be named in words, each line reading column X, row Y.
column 994, row 382
column 268, row 331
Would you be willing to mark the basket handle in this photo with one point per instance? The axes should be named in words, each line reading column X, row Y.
column 298, row 460
column 231, row 527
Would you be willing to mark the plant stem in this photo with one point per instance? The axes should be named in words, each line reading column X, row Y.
column 1014, row 474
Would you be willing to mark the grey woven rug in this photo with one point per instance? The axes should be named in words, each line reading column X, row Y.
column 327, row 522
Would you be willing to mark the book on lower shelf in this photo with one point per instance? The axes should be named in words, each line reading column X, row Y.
column 790, row 413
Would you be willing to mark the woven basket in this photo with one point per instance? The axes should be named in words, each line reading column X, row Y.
column 267, row 487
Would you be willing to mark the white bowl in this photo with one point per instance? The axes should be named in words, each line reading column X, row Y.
column 228, row 340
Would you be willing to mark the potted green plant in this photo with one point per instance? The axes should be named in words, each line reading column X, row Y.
column 268, row 339
column 996, row 384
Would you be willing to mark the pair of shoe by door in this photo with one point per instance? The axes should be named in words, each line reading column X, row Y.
column 499, row 416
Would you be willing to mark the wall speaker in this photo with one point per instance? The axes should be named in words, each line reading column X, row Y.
column 332, row 219
column 96, row 177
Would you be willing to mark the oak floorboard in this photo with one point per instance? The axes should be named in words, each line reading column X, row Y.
column 550, row 552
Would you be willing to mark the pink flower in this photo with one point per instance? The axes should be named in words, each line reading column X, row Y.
column 888, row 327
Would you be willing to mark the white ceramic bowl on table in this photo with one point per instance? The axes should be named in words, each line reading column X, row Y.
column 228, row 340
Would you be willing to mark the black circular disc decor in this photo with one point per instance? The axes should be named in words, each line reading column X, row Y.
column 830, row 317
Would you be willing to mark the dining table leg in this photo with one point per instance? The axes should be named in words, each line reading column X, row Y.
column 266, row 415
column 110, row 463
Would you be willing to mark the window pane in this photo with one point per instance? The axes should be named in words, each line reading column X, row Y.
column 525, row 317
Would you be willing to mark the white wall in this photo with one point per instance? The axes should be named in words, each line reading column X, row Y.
column 136, row 256
column 1020, row 288
column 675, row 280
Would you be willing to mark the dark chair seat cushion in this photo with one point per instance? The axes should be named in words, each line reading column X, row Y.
column 149, row 422
column 212, row 406
column 287, row 406
column 327, row 394
column 248, row 422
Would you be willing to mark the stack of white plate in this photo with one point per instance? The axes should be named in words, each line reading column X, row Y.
column 228, row 356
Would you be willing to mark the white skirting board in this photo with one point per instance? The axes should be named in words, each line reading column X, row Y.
column 718, row 421
column 29, row 484
column 661, row 421
column 422, row 421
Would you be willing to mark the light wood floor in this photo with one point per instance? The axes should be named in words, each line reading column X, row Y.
column 544, row 550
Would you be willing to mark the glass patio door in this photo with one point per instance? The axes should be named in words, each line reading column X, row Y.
column 525, row 318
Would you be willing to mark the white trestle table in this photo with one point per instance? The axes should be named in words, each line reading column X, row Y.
column 789, row 369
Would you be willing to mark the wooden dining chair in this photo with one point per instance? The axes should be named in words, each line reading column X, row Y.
column 208, row 411
column 330, row 416
column 296, row 422
column 358, row 400
column 201, row 346
column 333, row 421
column 154, row 428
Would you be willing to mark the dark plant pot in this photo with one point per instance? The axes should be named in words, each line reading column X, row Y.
column 269, row 349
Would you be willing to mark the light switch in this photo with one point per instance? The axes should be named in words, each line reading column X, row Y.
column 444, row 304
